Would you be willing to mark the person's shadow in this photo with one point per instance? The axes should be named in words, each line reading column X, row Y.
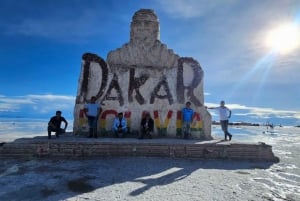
column 174, row 176
column 70, row 177
column 175, row 170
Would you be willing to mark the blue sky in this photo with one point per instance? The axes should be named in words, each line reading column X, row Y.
column 41, row 44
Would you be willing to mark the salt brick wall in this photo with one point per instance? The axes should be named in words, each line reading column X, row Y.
column 255, row 152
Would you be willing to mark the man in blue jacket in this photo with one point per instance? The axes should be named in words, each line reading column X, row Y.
column 120, row 126
column 187, row 119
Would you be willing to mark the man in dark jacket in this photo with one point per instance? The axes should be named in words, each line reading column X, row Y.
column 54, row 125
column 147, row 125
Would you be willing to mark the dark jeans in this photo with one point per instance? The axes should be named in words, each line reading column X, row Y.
column 224, row 126
column 92, row 121
column 57, row 131
column 186, row 125
column 146, row 132
column 121, row 132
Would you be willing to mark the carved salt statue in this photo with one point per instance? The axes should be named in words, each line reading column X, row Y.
column 143, row 76
column 144, row 48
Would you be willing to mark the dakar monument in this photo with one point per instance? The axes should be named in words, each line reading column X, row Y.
column 143, row 76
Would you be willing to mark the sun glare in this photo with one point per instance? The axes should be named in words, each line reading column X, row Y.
column 284, row 38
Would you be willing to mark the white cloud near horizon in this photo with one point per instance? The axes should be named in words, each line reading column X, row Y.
column 40, row 104
column 49, row 103
column 258, row 112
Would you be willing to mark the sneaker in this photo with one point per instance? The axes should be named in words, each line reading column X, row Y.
column 230, row 136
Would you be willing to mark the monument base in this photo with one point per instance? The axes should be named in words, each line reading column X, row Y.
column 69, row 145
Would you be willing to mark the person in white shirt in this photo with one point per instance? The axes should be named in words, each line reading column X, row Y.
column 224, row 114
column 92, row 111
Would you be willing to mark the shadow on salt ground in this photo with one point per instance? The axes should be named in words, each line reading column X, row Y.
column 160, row 181
column 187, row 167
column 55, row 179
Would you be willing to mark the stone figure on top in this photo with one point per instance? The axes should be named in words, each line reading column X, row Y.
column 144, row 48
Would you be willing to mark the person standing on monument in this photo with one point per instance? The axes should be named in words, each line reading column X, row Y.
column 224, row 115
column 120, row 126
column 54, row 125
column 187, row 119
column 92, row 111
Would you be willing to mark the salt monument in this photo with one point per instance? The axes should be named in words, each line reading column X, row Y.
column 143, row 76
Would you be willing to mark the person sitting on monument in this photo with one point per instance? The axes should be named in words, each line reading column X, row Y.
column 120, row 126
column 54, row 125
column 147, row 125
column 187, row 118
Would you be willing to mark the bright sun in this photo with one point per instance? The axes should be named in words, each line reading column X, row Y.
column 284, row 38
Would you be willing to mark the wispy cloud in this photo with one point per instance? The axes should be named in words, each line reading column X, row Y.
column 243, row 111
column 189, row 8
column 217, row 27
column 81, row 26
column 37, row 104
column 76, row 20
column 51, row 97
column 268, row 112
column 264, row 112
column 13, row 103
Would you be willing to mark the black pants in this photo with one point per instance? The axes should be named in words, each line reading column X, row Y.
column 92, row 121
column 57, row 131
column 145, row 133
column 120, row 132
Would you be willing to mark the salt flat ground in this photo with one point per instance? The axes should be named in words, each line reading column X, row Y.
column 139, row 178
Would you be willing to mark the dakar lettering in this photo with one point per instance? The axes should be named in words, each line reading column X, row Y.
column 136, row 82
